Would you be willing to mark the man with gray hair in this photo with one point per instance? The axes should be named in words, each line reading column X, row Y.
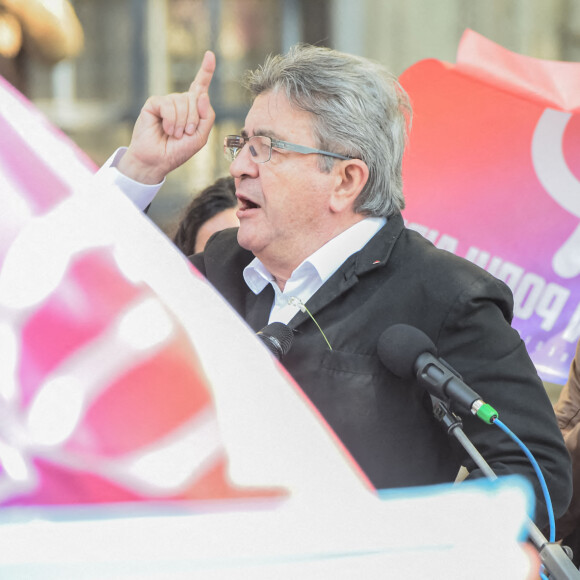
column 322, row 247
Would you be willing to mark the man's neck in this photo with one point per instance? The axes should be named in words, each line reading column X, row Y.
column 280, row 271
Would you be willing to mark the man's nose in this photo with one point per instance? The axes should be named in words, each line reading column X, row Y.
column 243, row 165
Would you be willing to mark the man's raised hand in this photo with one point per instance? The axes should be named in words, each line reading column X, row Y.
column 170, row 129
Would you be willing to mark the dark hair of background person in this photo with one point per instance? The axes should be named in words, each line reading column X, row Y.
column 215, row 198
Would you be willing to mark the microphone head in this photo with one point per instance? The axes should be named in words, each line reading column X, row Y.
column 400, row 346
column 278, row 338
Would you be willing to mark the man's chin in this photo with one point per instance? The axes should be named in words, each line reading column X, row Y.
column 246, row 239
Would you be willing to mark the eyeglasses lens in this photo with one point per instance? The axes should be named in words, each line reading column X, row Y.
column 260, row 147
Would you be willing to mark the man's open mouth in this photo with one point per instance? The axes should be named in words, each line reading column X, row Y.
column 246, row 204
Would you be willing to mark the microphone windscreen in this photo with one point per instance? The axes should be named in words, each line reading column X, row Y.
column 278, row 337
column 400, row 346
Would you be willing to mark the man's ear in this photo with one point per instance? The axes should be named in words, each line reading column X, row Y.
column 351, row 177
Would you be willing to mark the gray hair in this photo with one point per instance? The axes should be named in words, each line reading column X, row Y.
column 359, row 109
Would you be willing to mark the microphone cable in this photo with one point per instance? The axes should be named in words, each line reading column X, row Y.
column 539, row 474
column 296, row 302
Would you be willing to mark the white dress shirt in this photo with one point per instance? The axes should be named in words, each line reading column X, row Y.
column 311, row 274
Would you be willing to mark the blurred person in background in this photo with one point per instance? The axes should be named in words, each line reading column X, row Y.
column 568, row 414
column 48, row 30
column 212, row 210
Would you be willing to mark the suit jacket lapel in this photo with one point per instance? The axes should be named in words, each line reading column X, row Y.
column 374, row 255
column 258, row 307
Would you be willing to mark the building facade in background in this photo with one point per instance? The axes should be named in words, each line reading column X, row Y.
column 134, row 48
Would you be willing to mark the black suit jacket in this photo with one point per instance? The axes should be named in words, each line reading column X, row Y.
column 386, row 423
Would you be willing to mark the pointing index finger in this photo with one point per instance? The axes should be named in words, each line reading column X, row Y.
column 204, row 74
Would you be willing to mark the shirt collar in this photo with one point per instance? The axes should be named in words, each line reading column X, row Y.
column 324, row 261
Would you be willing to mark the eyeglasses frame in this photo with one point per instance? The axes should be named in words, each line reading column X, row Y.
column 302, row 149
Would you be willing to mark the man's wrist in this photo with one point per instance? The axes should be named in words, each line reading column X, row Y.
column 141, row 194
column 137, row 171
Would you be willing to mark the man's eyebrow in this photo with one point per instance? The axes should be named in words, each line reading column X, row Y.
column 267, row 133
column 261, row 133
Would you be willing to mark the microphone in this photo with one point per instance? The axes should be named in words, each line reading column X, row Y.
column 278, row 338
column 410, row 354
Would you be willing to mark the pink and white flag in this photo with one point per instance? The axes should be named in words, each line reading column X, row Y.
column 123, row 375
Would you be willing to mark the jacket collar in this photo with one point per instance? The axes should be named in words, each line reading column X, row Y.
column 374, row 255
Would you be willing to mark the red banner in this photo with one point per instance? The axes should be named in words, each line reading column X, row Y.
column 492, row 173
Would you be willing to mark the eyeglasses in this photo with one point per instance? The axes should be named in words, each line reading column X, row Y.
column 261, row 148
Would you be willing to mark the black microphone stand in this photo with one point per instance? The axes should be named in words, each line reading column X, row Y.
column 557, row 562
